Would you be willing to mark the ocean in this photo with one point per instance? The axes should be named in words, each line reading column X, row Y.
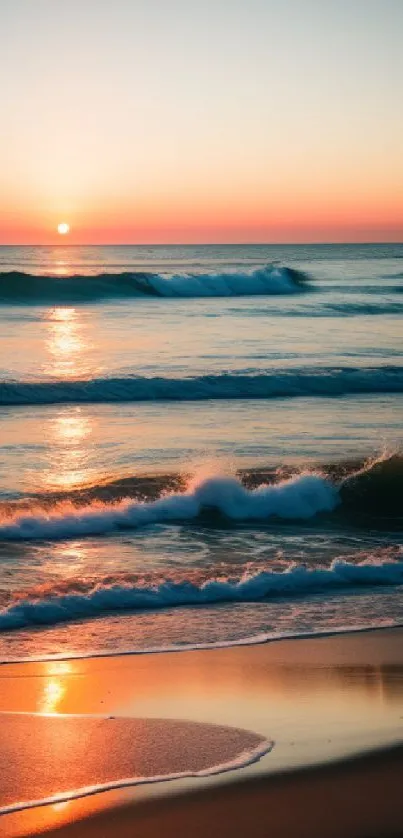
column 199, row 446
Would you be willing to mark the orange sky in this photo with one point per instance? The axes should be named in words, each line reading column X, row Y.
column 203, row 121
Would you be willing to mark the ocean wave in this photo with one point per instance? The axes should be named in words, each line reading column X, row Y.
column 366, row 488
column 347, row 309
column 276, row 383
column 299, row 497
column 374, row 491
column 78, row 600
column 19, row 287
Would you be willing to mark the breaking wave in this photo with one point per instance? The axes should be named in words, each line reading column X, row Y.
column 18, row 287
column 374, row 491
column 78, row 600
column 372, row 486
column 278, row 383
column 300, row 497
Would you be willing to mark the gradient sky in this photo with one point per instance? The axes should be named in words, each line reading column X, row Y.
column 201, row 120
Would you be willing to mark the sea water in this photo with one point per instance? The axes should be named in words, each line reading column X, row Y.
column 199, row 445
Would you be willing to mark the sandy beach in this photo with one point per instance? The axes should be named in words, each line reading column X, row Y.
column 357, row 798
column 88, row 724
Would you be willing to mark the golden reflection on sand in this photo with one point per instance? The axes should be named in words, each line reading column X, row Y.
column 53, row 692
column 32, row 821
column 54, row 688
column 60, row 807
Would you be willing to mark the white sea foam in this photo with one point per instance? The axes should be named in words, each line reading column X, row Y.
column 296, row 580
column 300, row 497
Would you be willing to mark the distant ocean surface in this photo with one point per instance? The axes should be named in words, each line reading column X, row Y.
column 199, row 446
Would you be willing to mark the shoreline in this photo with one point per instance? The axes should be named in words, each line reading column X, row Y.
column 201, row 751
column 323, row 701
column 177, row 649
column 322, row 801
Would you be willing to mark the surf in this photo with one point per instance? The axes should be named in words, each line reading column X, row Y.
column 299, row 497
column 54, row 606
column 373, row 491
column 20, row 287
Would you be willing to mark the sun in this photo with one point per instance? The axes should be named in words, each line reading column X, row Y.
column 63, row 228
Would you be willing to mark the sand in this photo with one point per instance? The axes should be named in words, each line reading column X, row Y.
column 48, row 756
column 322, row 701
column 360, row 799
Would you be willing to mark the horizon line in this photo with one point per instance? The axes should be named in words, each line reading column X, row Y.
column 207, row 244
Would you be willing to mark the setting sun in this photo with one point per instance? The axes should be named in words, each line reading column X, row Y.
column 63, row 228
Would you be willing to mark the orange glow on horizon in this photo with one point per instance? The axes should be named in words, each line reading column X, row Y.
column 364, row 231
column 360, row 216
column 198, row 134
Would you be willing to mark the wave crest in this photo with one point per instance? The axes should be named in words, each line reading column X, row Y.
column 19, row 287
column 59, row 606
column 359, row 491
column 299, row 497
column 279, row 383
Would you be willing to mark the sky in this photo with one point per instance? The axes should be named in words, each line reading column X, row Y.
column 147, row 121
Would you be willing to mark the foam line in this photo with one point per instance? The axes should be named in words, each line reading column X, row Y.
column 104, row 599
column 248, row 640
column 247, row 757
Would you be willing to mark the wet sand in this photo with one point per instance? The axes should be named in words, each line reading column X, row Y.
column 46, row 757
column 320, row 700
column 357, row 799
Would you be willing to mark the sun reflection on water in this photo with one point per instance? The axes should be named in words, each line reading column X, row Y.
column 69, row 560
column 61, row 268
column 71, row 463
column 65, row 343
column 72, row 426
